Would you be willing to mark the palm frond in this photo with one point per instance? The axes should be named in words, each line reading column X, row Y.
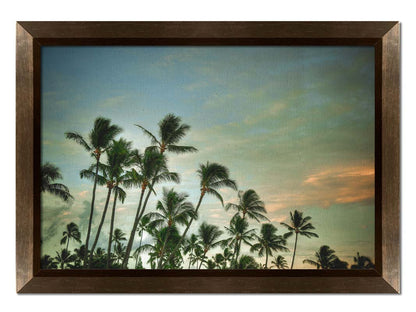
column 78, row 139
column 149, row 134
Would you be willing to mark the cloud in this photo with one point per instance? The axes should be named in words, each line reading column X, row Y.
column 335, row 185
column 271, row 112
column 83, row 194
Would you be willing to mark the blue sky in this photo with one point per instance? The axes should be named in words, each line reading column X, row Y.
column 294, row 123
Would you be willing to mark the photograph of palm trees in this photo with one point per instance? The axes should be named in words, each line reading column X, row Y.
column 257, row 157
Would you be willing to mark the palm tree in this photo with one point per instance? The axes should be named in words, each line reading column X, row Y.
column 280, row 262
column 152, row 169
column 80, row 253
column 119, row 157
column 136, row 257
column 239, row 233
column 246, row 263
column 219, row 261
column 209, row 235
column 65, row 258
column 118, row 237
column 210, row 265
column 228, row 256
column 324, row 258
column 339, row 264
column 250, row 205
column 189, row 247
column 268, row 242
column 142, row 227
column 213, row 177
column 99, row 259
column 47, row 263
column 362, row 262
column 99, row 139
column 155, row 250
column 171, row 131
column 72, row 232
column 48, row 174
column 120, row 252
column 172, row 210
column 300, row 226
column 198, row 255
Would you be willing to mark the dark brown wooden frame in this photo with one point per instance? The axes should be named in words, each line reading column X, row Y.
column 383, row 36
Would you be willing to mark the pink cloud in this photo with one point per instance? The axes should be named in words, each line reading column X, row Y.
column 83, row 194
column 336, row 185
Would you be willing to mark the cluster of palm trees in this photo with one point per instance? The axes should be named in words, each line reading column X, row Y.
column 117, row 166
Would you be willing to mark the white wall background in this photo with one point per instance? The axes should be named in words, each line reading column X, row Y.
column 221, row 10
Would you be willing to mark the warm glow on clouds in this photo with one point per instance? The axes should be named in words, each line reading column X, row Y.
column 337, row 185
column 82, row 194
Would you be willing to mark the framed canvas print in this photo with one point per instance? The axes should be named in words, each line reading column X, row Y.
column 208, row 157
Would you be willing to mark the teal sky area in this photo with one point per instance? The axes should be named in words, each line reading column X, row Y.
column 296, row 124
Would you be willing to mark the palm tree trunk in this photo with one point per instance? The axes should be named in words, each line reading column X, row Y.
column 67, row 243
column 189, row 258
column 87, row 240
column 186, row 230
column 163, row 249
column 110, row 238
column 97, row 236
column 132, row 233
column 136, row 223
column 200, row 265
column 267, row 259
column 237, row 252
column 128, row 251
column 294, row 250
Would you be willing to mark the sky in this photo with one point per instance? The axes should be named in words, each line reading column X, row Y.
column 296, row 124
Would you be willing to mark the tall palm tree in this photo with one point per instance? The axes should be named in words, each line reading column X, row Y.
column 119, row 156
column 280, row 262
column 300, row 226
column 48, row 174
column 172, row 210
column 71, row 232
column 209, row 235
column 268, row 242
column 171, row 131
column 213, row 177
column 362, row 262
column 324, row 258
column 250, row 205
column 99, row 138
column 239, row 233
column 47, row 263
column 64, row 257
column 151, row 169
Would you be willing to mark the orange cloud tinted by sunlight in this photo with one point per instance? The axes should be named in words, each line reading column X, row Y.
column 337, row 185
column 82, row 194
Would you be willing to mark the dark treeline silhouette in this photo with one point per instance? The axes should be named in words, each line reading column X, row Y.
column 169, row 245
